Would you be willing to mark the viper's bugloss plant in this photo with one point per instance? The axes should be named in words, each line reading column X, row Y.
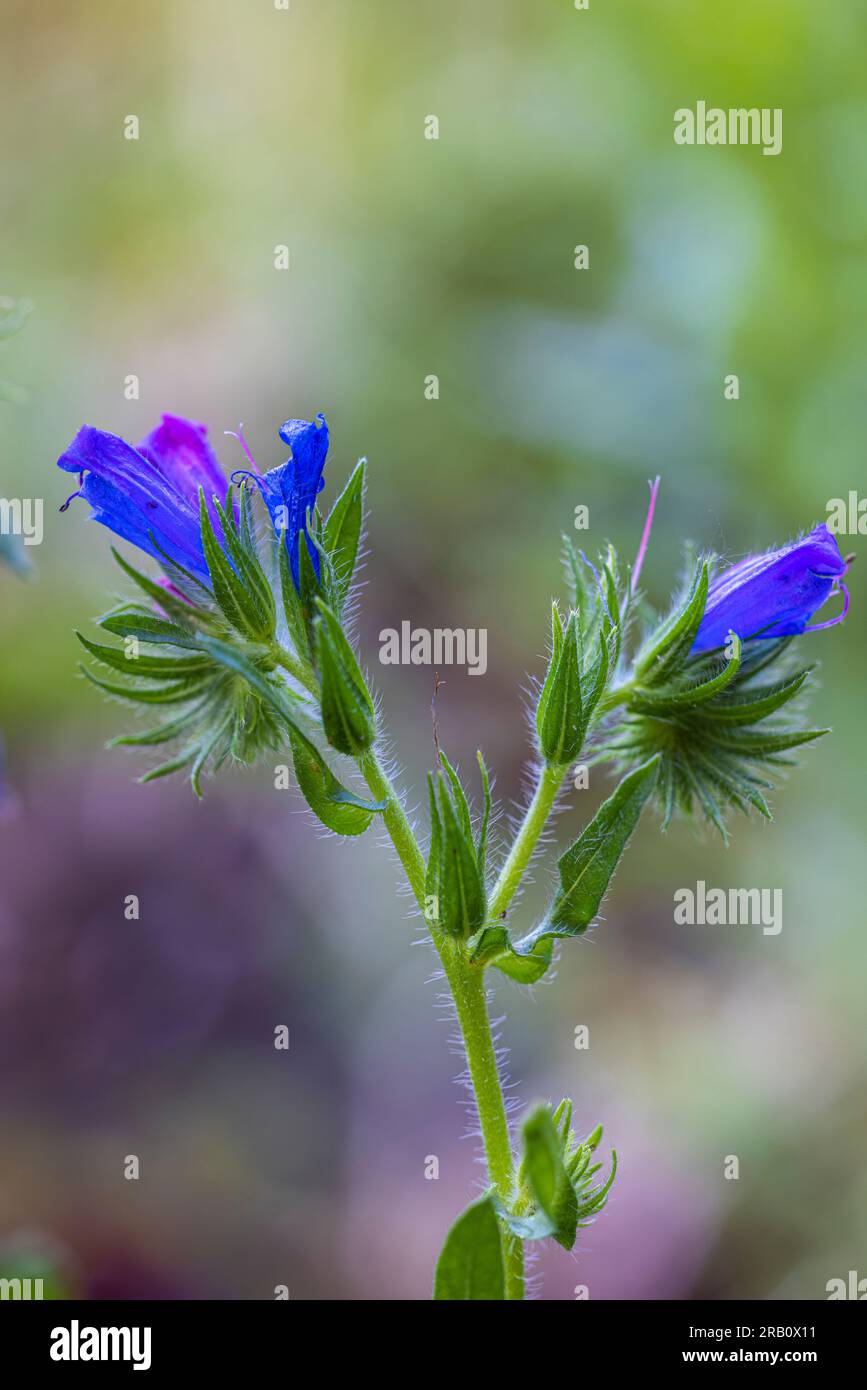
column 241, row 645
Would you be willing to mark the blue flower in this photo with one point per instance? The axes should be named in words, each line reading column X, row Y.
column 775, row 594
column 291, row 489
column 150, row 494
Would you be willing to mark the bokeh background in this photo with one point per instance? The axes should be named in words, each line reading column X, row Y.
column 412, row 257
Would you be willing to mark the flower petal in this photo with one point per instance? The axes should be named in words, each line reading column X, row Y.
column 772, row 595
column 131, row 496
column 180, row 450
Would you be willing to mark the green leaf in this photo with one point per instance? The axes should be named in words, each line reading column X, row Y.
column 587, row 867
column 470, row 1266
column 342, row 532
column 547, row 1178
column 338, row 809
column 586, row 870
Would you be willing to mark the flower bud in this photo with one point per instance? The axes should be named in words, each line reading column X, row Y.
column 561, row 716
column 347, row 708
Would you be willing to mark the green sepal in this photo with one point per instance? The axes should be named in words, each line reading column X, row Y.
column 482, row 841
column 166, row 769
column 341, row 534
column 148, row 627
column 250, row 573
column 237, row 597
column 666, row 700
column 470, row 1266
column 171, row 694
column 182, row 612
column 296, row 622
column 338, row 809
column 560, row 719
column 461, row 891
column 163, row 733
column 699, row 718
column 574, row 685
column 455, row 879
column 666, row 649
column 434, row 858
column 462, row 806
column 246, row 532
column 754, row 704
column 347, row 708
column 309, row 587
column 276, row 696
column 188, row 668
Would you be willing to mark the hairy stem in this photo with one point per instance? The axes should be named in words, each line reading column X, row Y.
column 467, row 985
column 535, row 818
column 396, row 823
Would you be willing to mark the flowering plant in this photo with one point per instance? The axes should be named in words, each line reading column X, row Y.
column 242, row 644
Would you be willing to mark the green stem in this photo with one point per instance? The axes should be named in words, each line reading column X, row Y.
column 527, row 838
column 396, row 823
column 468, row 988
column 467, row 984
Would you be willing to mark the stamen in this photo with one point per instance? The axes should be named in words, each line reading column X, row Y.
column 244, row 474
column 72, row 496
column 832, row 622
column 645, row 535
column 239, row 435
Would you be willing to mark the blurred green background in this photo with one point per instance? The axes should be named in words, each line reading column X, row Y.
column 412, row 257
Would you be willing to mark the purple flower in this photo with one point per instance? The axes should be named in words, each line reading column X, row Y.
column 150, row 494
column 775, row 594
column 290, row 490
